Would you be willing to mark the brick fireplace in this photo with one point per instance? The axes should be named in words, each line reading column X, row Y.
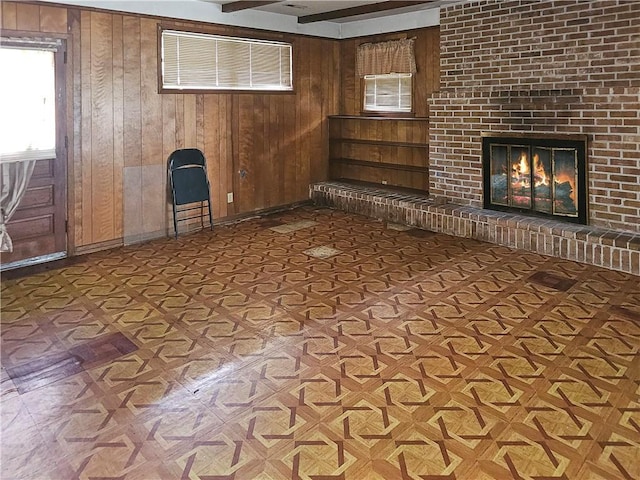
column 543, row 176
column 541, row 67
column 529, row 68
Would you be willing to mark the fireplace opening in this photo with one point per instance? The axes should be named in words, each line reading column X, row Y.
column 536, row 175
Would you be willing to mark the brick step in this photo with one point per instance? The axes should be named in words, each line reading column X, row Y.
column 611, row 249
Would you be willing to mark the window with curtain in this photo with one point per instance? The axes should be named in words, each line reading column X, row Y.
column 387, row 70
column 195, row 61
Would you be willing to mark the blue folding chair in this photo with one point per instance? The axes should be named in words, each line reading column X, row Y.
column 189, row 184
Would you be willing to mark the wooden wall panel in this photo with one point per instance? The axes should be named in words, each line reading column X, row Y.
column 118, row 123
column 74, row 112
column 260, row 162
column 168, row 125
column 53, row 19
column 28, row 17
column 211, row 142
column 248, row 161
column 224, row 153
column 83, row 176
column 304, row 87
column 132, row 93
column 100, row 81
column 9, row 15
column 150, row 100
column 189, row 121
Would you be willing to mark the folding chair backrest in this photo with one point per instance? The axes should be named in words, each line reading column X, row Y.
column 189, row 184
column 188, row 176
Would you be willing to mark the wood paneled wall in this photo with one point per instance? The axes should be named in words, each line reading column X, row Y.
column 265, row 148
column 427, row 78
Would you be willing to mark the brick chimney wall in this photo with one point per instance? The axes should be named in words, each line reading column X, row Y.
column 541, row 67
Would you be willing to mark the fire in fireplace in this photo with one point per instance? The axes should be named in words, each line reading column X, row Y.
column 543, row 176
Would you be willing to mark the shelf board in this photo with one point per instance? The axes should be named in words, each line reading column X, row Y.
column 383, row 143
column 379, row 118
column 386, row 166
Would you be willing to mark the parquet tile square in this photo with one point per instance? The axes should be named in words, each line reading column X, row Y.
column 323, row 252
column 394, row 354
column 293, row 226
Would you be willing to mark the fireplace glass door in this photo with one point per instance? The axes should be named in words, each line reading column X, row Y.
column 540, row 176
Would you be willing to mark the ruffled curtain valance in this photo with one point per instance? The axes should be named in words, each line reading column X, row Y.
column 395, row 56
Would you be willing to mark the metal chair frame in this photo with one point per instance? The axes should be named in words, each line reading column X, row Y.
column 189, row 184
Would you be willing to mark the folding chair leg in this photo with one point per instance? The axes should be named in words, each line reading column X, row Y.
column 210, row 216
column 175, row 220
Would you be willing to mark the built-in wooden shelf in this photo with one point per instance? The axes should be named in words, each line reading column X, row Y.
column 361, row 148
column 383, row 143
column 385, row 165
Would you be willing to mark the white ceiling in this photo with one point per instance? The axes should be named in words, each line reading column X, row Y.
column 279, row 17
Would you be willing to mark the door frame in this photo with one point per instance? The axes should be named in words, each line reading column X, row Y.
column 62, row 79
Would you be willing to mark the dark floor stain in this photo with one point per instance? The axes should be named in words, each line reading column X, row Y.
column 551, row 280
column 50, row 369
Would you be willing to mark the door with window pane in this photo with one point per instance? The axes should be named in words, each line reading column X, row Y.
column 32, row 150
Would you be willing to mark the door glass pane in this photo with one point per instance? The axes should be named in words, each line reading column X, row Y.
column 542, row 179
column 565, row 185
column 499, row 168
column 27, row 96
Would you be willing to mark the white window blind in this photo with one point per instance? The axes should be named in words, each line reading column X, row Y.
column 388, row 93
column 194, row 61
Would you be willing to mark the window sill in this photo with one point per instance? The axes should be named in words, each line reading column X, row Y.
column 379, row 117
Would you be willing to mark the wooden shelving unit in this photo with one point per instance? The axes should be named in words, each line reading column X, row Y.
column 383, row 150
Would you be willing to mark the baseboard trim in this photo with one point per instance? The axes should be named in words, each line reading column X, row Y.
column 99, row 246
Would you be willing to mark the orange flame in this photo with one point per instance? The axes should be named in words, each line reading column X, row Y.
column 522, row 167
column 539, row 174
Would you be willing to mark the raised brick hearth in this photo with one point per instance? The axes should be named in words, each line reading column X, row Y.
column 606, row 248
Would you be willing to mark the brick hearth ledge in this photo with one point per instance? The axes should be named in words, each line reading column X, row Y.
column 612, row 249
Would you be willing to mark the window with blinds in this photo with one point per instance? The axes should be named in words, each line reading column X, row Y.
column 388, row 93
column 195, row 61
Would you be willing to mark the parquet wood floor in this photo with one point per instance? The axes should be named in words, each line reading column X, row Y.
column 319, row 345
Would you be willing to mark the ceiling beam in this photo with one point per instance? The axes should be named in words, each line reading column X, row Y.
column 361, row 10
column 244, row 5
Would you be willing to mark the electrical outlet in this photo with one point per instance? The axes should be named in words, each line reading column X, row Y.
column 384, row 182
column 230, row 197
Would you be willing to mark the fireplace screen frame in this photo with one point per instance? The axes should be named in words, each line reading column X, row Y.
column 541, row 142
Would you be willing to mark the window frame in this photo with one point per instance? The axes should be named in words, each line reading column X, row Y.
column 256, row 38
column 387, row 113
